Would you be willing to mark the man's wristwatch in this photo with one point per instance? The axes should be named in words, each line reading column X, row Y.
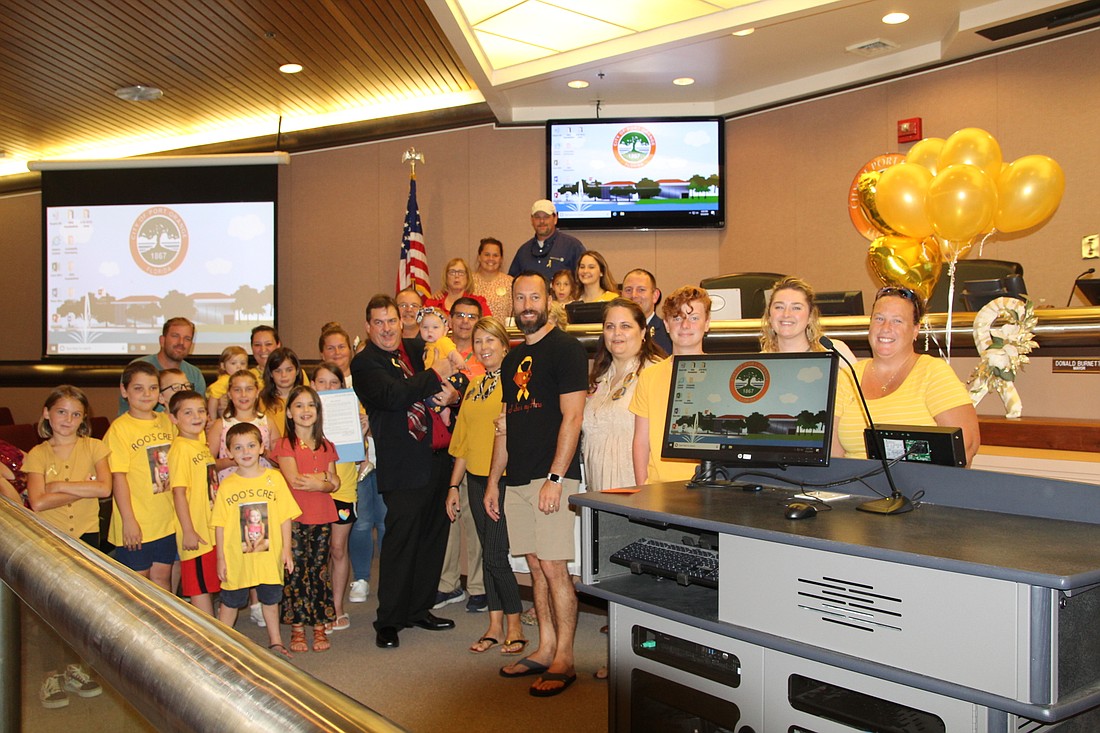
column 554, row 477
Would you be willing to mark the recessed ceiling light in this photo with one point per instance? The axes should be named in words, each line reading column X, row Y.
column 744, row 32
column 290, row 68
column 895, row 18
column 577, row 84
column 138, row 93
column 683, row 81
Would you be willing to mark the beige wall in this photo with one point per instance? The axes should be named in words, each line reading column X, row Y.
column 789, row 169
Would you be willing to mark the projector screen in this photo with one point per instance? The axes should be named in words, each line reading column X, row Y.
column 127, row 249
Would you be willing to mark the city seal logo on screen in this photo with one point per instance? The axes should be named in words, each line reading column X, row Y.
column 634, row 146
column 158, row 240
column 749, row 382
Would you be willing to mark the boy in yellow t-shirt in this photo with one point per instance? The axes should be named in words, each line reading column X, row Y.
column 194, row 483
column 251, row 519
column 143, row 523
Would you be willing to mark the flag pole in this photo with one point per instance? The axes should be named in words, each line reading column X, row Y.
column 413, row 264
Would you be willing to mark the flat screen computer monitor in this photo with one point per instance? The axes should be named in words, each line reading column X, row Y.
column 1090, row 289
column 840, row 303
column 747, row 410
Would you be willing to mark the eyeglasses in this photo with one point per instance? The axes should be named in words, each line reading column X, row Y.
column 467, row 316
column 408, row 306
column 177, row 387
column 456, row 272
column 627, row 381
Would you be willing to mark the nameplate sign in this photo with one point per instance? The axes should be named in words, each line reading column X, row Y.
column 1076, row 366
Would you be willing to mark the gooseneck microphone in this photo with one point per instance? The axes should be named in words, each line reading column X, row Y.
column 897, row 502
column 1074, row 286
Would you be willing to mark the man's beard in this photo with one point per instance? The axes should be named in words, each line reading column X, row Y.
column 528, row 328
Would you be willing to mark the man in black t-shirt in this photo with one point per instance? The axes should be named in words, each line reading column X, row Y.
column 544, row 381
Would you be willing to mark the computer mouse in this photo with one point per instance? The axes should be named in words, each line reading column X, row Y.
column 800, row 510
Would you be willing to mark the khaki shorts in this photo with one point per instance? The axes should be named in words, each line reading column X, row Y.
column 530, row 532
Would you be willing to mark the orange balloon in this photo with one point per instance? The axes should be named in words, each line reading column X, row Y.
column 926, row 153
column 906, row 262
column 1028, row 192
column 861, row 196
column 902, row 190
column 961, row 202
column 972, row 146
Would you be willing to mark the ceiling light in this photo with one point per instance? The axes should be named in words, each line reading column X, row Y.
column 290, row 68
column 138, row 93
column 577, row 84
column 895, row 18
column 744, row 32
column 683, row 81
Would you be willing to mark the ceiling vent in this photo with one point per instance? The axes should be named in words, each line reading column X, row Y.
column 1050, row 20
column 876, row 47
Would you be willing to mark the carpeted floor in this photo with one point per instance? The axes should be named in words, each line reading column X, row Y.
column 432, row 683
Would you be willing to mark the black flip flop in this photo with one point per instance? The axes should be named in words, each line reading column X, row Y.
column 565, row 679
column 492, row 643
column 509, row 642
column 530, row 667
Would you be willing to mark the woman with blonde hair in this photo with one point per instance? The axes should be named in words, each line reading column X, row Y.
column 792, row 321
column 456, row 284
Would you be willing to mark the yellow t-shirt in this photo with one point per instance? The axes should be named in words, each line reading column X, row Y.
column 190, row 465
column 348, row 474
column 251, row 512
column 930, row 388
column 80, row 516
column 438, row 351
column 220, row 387
column 139, row 449
column 651, row 401
column 474, row 431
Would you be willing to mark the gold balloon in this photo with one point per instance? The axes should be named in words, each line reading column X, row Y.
column 901, row 193
column 906, row 262
column 953, row 251
column 1028, row 192
column 961, row 202
column 926, row 153
column 861, row 196
column 972, row 146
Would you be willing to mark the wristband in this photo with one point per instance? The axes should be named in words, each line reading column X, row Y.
column 452, row 486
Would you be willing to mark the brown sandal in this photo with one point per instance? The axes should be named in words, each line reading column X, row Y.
column 320, row 639
column 298, row 640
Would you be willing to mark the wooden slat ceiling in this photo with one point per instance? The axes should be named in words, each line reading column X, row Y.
column 216, row 61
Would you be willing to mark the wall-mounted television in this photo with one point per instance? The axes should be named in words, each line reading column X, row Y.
column 643, row 173
column 752, row 410
column 125, row 249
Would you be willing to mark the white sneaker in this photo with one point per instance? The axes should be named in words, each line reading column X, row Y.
column 256, row 613
column 51, row 695
column 79, row 681
column 360, row 589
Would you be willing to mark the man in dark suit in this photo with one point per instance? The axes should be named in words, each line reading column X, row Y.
column 641, row 287
column 392, row 384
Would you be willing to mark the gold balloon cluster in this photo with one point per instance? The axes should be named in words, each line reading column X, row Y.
column 930, row 207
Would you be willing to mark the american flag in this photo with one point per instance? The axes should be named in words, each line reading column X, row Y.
column 412, row 269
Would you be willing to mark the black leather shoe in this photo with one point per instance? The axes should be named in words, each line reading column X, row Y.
column 432, row 622
column 387, row 638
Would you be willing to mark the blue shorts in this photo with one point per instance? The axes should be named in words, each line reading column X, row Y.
column 268, row 595
column 161, row 551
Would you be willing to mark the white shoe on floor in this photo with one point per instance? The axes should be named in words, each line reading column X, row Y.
column 256, row 613
column 360, row 589
column 79, row 681
column 52, row 693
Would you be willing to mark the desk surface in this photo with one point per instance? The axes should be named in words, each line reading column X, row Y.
column 1052, row 553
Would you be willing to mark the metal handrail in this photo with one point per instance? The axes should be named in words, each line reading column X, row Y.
column 180, row 669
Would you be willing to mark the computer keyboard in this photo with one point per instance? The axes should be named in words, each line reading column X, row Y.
column 687, row 565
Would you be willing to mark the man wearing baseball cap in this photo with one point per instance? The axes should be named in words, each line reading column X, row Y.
column 549, row 250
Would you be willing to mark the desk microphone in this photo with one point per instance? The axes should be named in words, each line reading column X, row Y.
column 1074, row 286
column 897, row 502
